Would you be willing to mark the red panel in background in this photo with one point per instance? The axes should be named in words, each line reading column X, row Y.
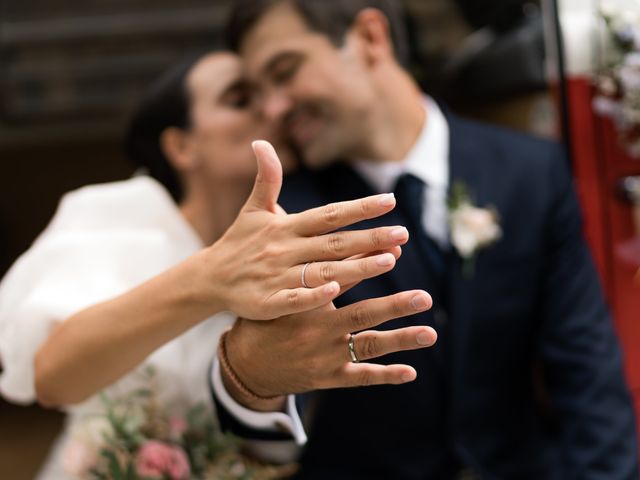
column 624, row 291
column 599, row 163
column 588, row 171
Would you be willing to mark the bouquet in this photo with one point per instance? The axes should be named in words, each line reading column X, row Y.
column 137, row 438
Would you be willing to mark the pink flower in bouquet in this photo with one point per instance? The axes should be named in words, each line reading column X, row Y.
column 156, row 459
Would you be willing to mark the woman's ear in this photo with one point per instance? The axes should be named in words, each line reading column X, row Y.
column 177, row 147
column 372, row 28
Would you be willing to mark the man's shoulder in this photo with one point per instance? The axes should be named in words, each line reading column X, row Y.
column 506, row 153
column 490, row 138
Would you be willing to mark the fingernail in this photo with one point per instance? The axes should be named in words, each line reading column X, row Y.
column 385, row 260
column 387, row 200
column 407, row 377
column 400, row 233
column 331, row 288
column 423, row 338
column 419, row 302
column 255, row 143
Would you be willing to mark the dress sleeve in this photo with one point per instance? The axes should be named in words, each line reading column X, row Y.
column 35, row 295
column 61, row 274
column 102, row 241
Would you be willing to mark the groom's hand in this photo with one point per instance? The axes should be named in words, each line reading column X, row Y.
column 310, row 350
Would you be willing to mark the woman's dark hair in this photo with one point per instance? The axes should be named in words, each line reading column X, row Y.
column 165, row 104
column 332, row 18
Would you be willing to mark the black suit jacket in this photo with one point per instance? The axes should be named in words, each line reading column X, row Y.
column 530, row 319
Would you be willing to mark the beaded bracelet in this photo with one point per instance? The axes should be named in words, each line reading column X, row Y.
column 232, row 375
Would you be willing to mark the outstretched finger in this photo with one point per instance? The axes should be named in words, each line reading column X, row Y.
column 369, row 313
column 318, row 221
column 373, row 344
column 296, row 300
column 344, row 272
column 395, row 251
column 367, row 374
column 344, row 244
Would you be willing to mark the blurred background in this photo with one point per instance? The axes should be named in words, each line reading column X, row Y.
column 71, row 71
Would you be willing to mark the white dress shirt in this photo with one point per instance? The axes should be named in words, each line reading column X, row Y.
column 429, row 161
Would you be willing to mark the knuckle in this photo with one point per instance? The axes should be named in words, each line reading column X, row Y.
column 275, row 227
column 331, row 213
column 360, row 318
column 327, row 272
column 370, row 346
column 375, row 238
column 364, row 208
column 336, row 243
column 293, row 299
column 279, row 222
column 397, row 309
column 270, row 251
column 365, row 378
column 364, row 266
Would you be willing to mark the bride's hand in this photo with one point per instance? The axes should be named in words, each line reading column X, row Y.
column 256, row 268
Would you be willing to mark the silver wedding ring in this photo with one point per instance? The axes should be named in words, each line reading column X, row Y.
column 352, row 349
column 304, row 270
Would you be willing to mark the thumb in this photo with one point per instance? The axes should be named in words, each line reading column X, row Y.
column 268, row 180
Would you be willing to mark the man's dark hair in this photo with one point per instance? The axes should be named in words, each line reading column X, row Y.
column 330, row 17
column 165, row 104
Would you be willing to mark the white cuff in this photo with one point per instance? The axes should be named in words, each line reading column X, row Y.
column 266, row 421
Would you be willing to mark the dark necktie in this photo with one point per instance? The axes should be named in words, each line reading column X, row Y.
column 409, row 192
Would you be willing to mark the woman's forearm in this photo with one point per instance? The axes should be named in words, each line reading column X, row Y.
column 98, row 345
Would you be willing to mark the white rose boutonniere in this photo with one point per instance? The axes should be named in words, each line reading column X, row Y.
column 472, row 228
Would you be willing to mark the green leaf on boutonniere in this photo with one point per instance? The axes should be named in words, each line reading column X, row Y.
column 458, row 195
column 469, row 267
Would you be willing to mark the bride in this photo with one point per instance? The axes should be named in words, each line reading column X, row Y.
column 144, row 272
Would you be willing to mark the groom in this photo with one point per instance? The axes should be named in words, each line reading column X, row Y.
column 526, row 378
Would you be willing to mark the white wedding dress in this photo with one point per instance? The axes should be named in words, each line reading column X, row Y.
column 102, row 241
